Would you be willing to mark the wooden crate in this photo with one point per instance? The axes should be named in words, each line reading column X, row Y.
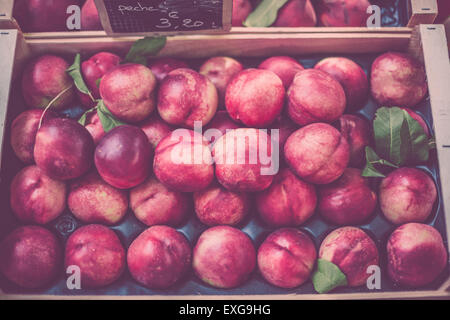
column 427, row 43
column 419, row 12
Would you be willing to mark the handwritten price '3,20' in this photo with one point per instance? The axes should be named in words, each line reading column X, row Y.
column 165, row 23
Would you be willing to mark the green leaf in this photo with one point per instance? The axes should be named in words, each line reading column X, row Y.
column 418, row 140
column 97, row 82
column 107, row 119
column 373, row 159
column 265, row 14
column 327, row 277
column 83, row 117
column 74, row 72
column 389, row 138
column 50, row 104
column 143, row 48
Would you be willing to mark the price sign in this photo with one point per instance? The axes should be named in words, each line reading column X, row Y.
column 147, row 17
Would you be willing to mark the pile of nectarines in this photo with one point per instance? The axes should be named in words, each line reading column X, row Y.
column 196, row 141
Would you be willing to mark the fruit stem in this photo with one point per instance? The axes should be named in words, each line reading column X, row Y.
column 52, row 102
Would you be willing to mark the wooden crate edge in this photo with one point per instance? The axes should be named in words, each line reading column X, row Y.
column 420, row 11
column 237, row 45
column 7, row 63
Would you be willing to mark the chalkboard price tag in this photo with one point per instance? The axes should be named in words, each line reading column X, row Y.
column 150, row 17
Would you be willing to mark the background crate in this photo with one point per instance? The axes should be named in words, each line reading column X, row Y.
column 409, row 14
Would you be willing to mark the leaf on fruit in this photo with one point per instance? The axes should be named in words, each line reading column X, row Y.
column 74, row 72
column 144, row 48
column 371, row 172
column 432, row 143
column 372, row 159
column 327, row 277
column 420, row 150
column 50, row 104
column 83, row 117
column 107, row 119
column 265, row 14
column 388, row 125
column 399, row 138
column 97, row 82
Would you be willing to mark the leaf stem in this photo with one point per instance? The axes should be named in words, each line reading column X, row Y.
column 83, row 117
column 52, row 102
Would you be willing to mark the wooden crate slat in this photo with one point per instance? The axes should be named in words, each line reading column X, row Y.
column 236, row 45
